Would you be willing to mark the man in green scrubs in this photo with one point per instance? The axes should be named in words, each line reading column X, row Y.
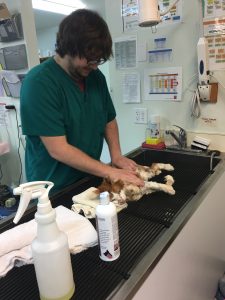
column 67, row 111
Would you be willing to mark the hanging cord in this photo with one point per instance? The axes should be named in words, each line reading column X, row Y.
column 21, row 139
column 186, row 88
column 195, row 101
column 12, row 107
column 122, row 14
column 195, row 104
column 18, row 149
column 6, row 127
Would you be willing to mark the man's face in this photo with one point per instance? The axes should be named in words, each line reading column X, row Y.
column 80, row 68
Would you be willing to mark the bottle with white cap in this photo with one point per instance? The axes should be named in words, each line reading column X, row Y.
column 107, row 228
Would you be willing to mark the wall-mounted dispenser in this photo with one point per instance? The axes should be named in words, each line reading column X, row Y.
column 207, row 91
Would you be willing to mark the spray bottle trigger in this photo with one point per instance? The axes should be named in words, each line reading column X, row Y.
column 26, row 196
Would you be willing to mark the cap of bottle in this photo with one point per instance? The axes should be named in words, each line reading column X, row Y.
column 104, row 198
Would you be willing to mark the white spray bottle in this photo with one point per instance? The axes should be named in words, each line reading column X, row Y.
column 50, row 248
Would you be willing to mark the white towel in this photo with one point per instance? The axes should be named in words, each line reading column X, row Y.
column 87, row 201
column 15, row 244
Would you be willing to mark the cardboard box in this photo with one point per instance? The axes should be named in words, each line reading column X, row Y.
column 4, row 12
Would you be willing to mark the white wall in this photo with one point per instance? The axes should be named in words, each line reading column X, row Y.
column 182, row 38
column 46, row 41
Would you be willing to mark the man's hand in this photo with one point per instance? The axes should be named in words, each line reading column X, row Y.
column 127, row 176
column 123, row 162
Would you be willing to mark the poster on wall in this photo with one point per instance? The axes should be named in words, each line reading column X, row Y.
column 214, row 31
column 126, row 52
column 163, row 84
column 214, row 8
column 130, row 14
column 174, row 15
column 130, row 11
column 131, row 87
column 214, row 26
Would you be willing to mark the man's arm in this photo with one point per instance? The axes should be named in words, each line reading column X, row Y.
column 112, row 139
column 59, row 149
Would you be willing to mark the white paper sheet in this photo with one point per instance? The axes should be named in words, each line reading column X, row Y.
column 4, row 118
column 214, row 31
column 174, row 15
column 126, row 52
column 130, row 14
column 131, row 88
column 214, row 8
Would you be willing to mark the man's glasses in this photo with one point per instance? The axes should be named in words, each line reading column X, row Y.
column 98, row 62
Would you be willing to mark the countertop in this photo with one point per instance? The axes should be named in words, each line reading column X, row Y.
column 154, row 235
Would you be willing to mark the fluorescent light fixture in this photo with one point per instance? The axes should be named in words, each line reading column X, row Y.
column 64, row 7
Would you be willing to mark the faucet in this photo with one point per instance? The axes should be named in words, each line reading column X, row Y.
column 181, row 139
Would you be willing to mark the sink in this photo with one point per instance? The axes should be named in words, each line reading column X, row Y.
column 188, row 159
column 186, row 149
column 190, row 169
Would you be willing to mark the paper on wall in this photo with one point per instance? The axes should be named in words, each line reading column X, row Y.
column 163, row 84
column 126, row 52
column 4, row 118
column 214, row 8
column 131, row 88
column 214, row 31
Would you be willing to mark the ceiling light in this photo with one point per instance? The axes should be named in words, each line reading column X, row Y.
column 64, row 7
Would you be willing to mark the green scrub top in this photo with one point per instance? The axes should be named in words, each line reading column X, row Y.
column 52, row 104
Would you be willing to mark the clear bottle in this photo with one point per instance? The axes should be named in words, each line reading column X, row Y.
column 154, row 127
column 107, row 228
column 50, row 248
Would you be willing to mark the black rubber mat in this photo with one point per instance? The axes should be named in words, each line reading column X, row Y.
column 94, row 278
column 140, row 226
column 92, row 281
column 136, row 235
column 159, row 207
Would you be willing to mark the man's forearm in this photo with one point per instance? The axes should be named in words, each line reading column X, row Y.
column 60, row 150
column 112, row 139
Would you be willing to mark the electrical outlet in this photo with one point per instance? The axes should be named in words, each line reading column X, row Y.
column 140, row 115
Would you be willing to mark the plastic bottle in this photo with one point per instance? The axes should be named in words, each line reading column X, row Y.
column 50, row 248
column 107, row 227
column 154, row 127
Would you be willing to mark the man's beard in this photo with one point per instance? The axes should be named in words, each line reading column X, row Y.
column 76, row 72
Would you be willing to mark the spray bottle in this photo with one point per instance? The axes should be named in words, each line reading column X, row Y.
column 50, row 248
column 107, row 227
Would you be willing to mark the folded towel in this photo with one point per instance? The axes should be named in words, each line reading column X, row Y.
column 15, row 243
column 87, row 201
